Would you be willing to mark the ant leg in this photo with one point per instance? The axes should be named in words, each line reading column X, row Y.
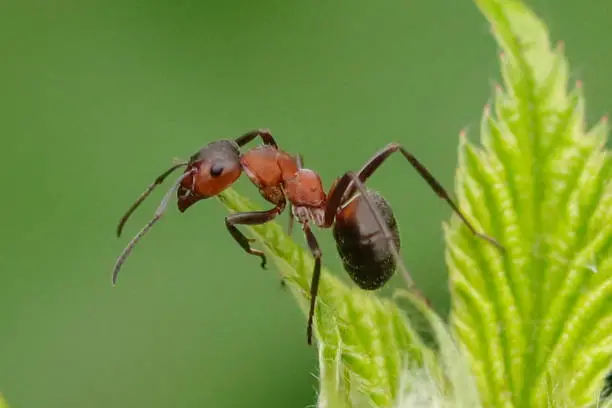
column 316, row 277
column 335, row 198
column 374, row 163
column 250, row 218
column 265, row 135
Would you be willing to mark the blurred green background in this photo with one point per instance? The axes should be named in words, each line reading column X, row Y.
column 98, row 97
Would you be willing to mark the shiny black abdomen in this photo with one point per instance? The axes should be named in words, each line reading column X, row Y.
column 361, row 244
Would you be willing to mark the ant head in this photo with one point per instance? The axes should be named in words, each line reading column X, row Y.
column 305, row 189
column 208, row 172
column 213, row 169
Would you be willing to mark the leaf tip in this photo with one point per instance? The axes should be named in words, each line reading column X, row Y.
column 579, row 84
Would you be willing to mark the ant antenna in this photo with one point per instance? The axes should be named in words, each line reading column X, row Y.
column 158, row 214
column 383, row 225
column 160, row 179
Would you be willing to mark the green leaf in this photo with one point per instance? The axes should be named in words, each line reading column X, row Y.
column 536, row 323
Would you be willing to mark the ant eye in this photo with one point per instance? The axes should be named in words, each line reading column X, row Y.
column 216, row 170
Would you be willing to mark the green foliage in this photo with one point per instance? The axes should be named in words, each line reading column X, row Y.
column 534, row 325
column 536, row 321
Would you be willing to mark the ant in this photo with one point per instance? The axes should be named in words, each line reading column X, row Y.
column 364, row 227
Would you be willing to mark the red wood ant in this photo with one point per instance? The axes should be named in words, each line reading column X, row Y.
column 364, row 227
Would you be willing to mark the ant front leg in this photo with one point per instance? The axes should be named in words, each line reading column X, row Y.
column 250, row 218
column 265, row 135
column 316, row 277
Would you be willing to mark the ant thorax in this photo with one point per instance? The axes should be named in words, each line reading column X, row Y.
column 307, row 214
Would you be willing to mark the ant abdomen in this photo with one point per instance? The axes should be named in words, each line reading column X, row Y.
column 361, row 243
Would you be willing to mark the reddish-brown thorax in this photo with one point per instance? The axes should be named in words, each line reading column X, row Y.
column 277, row 175
column 275, row 172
